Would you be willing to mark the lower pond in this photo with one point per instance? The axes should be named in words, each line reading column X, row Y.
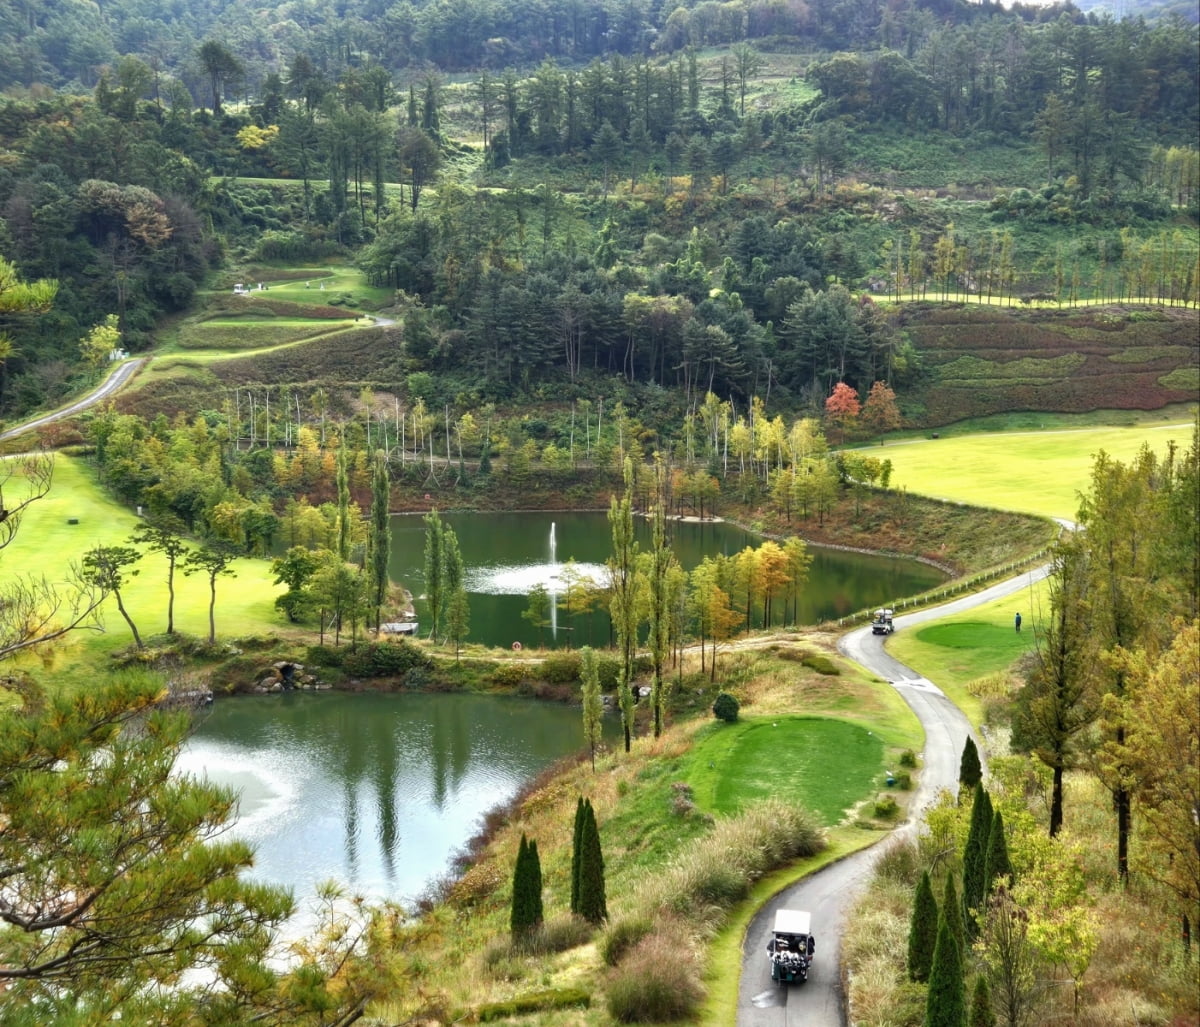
column 506, row 554
column 375, row 791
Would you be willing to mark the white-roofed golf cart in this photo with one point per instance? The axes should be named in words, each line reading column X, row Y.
column 791, row 946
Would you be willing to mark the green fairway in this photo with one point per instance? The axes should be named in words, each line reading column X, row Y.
column 1032, row 472
column 954, row 651
column 48, row 544
column 826, row 765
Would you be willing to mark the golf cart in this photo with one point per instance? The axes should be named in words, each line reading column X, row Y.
column 882, row 624
column 791, row 947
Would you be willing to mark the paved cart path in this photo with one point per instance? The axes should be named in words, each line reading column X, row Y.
column 119, row 377
column 828, row 893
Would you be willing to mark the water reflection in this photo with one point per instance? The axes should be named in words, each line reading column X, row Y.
column 375, row 791
column 506, row 554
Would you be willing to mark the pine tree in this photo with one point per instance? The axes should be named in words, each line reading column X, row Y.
column 996, row 863
column 981, row 1014
column 970, row 770
column 922, row 930
column 592, row 904
column 576, row 849
column 975, row 856
column 945, row 1005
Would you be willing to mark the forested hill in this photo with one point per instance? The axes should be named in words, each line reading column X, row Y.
column 692, row 198
column 68, row 43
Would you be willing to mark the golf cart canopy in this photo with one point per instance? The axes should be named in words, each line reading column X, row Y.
column 792, row 921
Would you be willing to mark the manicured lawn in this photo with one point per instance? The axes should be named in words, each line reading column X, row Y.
column 956, row 650
column 824, row 764
column 1037, row 472
column 248, row 333
column 48, row 544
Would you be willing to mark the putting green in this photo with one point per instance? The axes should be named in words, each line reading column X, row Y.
column 825, row 764
column 1031, row 472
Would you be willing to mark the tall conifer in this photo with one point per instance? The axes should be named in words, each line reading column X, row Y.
column 519, row 920
column 945, row 1005
column 975, row 855
column 970, row 770
column 592, row 904
column 952, row 911
column 576, row 849
column 527, row 890
column 981, row 1014
column 922, row 930
column 535, row 885
column 996, row 863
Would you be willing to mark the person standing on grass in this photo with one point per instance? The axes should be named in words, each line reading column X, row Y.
column 1017, row 621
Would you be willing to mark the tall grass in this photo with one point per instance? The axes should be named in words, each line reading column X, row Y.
column 717, row 870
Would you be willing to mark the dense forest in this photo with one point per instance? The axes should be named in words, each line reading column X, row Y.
column 693, row 199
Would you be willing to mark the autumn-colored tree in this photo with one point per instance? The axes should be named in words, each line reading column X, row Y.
column 880, row 413
column 1163, row 758
column 842, row 407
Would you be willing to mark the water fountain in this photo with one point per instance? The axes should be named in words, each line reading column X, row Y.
column 553, row 583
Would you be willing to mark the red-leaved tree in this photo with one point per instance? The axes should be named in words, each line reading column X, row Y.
column 841, row 408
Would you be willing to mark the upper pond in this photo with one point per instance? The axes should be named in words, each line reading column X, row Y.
column 505, row 554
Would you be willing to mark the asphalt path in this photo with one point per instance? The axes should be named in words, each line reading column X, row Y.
column 120, row 375
column 829, row 893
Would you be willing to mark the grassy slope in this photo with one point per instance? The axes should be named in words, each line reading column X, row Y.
column 1035, row 472
column 47, row 545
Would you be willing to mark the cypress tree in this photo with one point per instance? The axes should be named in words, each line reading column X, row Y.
column 922, row 930
column 952, row 911
column 974, row 856
column 520, row 921
column 535, row 886
column 592, row 904
column 981, row 1014
column 576, row 848
column 970, row 770
column 945, row 1006
column 996, row 863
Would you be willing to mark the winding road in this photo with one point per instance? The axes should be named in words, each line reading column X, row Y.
column 828, row 893
column 119, row 377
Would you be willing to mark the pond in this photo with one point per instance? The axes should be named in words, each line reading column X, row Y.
column 505, row 554
column 375, row 791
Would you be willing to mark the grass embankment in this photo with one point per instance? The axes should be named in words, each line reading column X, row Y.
column 48, row 544
column 1033, row 472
